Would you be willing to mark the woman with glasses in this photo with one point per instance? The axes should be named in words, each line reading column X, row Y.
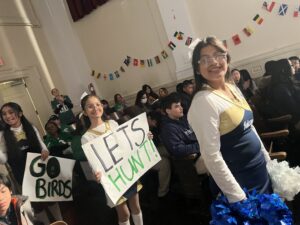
column 222, row 121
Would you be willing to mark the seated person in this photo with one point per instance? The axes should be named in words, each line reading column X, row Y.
column 63, row 127
column 163, row 92
column 175, row 132
column 234, row 77
column 142, row 101
column 186, row 95
column 120, row 103
column 57, row 141
column 296, row 65
column 13, row 209
column 284, row 92
column 149, row 91
column 247, row 85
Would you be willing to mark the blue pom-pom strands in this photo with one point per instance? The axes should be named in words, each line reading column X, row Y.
column 257, row 209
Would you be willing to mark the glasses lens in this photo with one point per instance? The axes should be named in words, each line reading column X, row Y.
column 207, row 60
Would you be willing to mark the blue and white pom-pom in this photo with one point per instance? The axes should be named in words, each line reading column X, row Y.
column 285, row 180
column 257, row 209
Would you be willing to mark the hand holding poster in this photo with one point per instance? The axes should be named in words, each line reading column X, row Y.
column 49, row 180
column 122, row 155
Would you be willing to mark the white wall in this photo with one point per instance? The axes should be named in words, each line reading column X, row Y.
column 120, row 28
column 123, row 27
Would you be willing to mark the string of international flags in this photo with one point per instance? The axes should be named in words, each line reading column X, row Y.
column 281, row 8
column 178, row 36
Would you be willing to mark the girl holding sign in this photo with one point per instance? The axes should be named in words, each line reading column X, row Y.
column 93, row 112
column 18, row 138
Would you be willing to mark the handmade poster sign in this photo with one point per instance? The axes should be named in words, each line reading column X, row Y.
column 49, row 180
column 122, row 155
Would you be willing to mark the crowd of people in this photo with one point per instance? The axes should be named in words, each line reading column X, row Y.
column 208, row 119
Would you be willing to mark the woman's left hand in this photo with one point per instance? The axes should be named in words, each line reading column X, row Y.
column 150, row 135
column 44, row 154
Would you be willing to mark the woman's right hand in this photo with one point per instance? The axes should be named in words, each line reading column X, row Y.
column 98, row 176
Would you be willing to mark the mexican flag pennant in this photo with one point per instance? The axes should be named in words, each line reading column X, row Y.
column 258, row 19
column 149, row 61
column 122, row 69
column 236, row 39
column 157, row 60
column 248, row 31
column 171, row 45
column 142, row 63
column 117, row 74
column 164, row 54
column 127, row 61
column 99, row 75
column 111, row 76
column 188, row 41
column 135, row 62
column 283, row 9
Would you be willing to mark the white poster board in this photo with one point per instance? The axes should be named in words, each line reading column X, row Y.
column 122, row 155
column 49, row 180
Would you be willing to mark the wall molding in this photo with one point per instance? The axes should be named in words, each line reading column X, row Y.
column 18, row 13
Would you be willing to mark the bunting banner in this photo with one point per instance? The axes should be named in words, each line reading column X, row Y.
column 188, row 40
column 282, row 8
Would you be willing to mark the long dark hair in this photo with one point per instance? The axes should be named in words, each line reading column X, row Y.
column 12, row 147
column 209, row 41
column 138, row 98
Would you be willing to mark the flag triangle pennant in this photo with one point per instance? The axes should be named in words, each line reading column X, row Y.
column 188, row 41
column 268, row 6
column 149, row 62
column 99, row 75
column 236, row 39
column 111, row 76
column 296, row 11
column 171, row 45
column 122, row 69
column 142, row 63
column 258, row 19
column 127, row 61
column 283, row 9
column 117, row 74
column 248, row 31
column 135, row 62
column 164, row 54
column 157, row 60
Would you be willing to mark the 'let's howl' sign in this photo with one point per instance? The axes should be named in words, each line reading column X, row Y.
column 49, row 180
column 122, row 155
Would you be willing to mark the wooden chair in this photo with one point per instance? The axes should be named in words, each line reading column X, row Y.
column 270, row 130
